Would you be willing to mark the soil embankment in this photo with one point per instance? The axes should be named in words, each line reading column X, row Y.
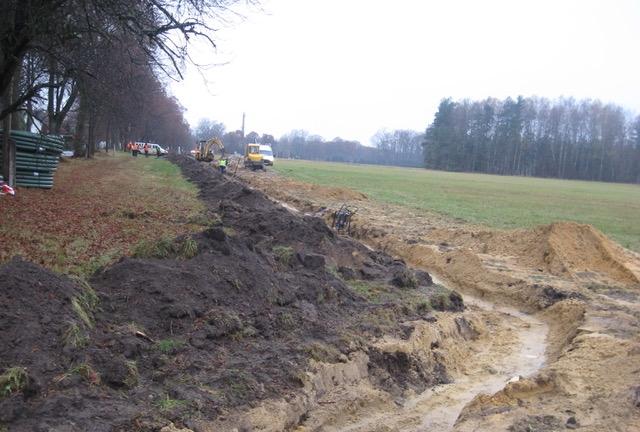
column 256, row 323
column 582, row 285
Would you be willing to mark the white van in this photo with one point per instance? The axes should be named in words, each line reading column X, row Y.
column 267, row 154
column 153, row 149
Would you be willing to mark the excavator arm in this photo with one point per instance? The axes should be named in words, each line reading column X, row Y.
column 209, row 149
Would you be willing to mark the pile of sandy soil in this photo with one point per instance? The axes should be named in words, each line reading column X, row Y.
column 191, row 340
column 570, row 248
column 563, row 249
column 303, row 195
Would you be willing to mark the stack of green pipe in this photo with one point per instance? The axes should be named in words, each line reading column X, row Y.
column 37, row 158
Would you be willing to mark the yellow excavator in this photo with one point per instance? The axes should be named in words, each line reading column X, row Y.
column 208, row 150
column 253, row 157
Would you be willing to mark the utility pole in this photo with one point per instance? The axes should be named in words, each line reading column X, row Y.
column 243, row 114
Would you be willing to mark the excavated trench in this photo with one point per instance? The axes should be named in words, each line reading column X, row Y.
column 442, row 406
column 513, row 347
column 580, row 348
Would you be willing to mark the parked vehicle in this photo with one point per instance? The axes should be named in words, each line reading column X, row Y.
column 253, row 157
column 153, row 148
column 267, row 154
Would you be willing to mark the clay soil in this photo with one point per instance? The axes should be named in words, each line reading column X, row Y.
column 246, row 325
column 566, row 276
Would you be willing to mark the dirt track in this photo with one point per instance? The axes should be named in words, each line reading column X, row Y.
column 571, row 277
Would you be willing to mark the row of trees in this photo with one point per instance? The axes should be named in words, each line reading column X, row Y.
column 564, row 138
column 234, row 141
column 95, row 70
column 399, row 147
column 534, row 136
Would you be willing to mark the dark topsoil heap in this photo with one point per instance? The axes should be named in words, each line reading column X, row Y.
column 185, row 339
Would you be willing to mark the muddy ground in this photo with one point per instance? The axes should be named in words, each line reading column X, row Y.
column 571, row 362
column 255, row 323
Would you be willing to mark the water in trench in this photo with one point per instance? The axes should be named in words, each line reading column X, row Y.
column 442, row 405
column 438, row 409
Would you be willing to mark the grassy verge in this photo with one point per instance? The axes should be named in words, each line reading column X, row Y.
column 496, row 201
column 97, row 211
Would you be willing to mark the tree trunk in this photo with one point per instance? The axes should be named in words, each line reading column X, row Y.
column 16, row 120
column 80, row 139
column 8, row 145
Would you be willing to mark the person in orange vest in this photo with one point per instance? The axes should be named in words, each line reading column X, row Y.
column 134, row 149
column 146, row 150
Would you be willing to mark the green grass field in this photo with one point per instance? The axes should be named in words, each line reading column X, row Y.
column 496, row 201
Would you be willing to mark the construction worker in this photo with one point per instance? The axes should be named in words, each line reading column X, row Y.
column 222, row 165
column 146, row 150
column 134, row 149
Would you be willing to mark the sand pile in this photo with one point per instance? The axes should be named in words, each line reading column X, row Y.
column 569, row 248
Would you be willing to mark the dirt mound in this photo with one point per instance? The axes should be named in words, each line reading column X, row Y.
column 569, row 248
column 339, row 194
column 301, row 194
column 37, row 313
column 213, row 323
column 46, row 320
column 564, row 249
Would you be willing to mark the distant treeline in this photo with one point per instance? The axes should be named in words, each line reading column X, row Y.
column 534, row 136
column 399, row 147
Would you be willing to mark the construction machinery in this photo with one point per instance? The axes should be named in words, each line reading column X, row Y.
column 342, row 218
column 253, row 157
column 208, row 150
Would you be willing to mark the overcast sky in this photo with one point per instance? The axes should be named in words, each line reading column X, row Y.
column 346, row 68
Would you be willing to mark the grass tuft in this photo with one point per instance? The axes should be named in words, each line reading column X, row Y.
column 168, row 346
column 89, row 298
column 322, row 352
column 188, row 248
column 166, row 403
column 77, row 306
column 373, row 292
column 133, row 376
column 13, row 380
column 441, row 302
column 283, row 254
column 230, row 232
column 75, row 337
column 161, row 248
column 286, row 321
column 87, row 372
